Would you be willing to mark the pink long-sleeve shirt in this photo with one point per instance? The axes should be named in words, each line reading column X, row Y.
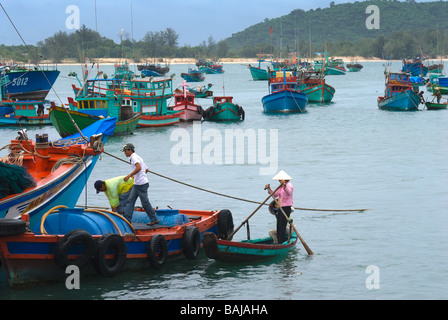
column 285, row 194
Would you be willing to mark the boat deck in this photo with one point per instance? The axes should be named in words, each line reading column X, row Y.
column 144, row 226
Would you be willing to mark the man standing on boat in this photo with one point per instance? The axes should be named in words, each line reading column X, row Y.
column 284, row 197
column 141, row 185
column 117, row 191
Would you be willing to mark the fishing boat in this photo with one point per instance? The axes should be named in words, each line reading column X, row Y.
column 415, row 67
column 63, row 117
column 23, row 113
column 329, row 66
column 354, row 67
column 201, row 91
column 441, row 85
column 211, row 68
column 435, row 106
column 26, row 83
column 193, row 75
column 399, row 94
column 283, row 95
column 149, row 98
column 96, row 99
column 436, row 68
column 313, row 84
column 153, row 69
column 224, row 109
column 185, row 102
column 246, row 250
column 258, row 73
column 18, row 112
column 58, row 170
column 122, row 71
column 101, row 242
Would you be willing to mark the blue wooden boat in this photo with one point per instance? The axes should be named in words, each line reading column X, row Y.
column 399, row 94
column 27, row 84
column 284, row 95
column 20, row 112
column 59, row 169
column 101, row 242
column 415, row 67
column 247, row 250
column 193, row 75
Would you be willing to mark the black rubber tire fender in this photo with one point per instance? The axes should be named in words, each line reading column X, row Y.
column 157, row 251
column 12, row 227
column 191, row 242
column 110, row 243
column 225, row 224
column 72, row 238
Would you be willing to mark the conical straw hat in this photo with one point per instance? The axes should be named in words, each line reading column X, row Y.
column 282, row 175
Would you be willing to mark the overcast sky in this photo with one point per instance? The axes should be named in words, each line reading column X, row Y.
column 194, row 20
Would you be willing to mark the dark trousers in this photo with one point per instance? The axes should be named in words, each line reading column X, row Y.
column 281, row 224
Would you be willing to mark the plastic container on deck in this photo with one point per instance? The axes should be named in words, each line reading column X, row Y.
column 167, row 217
column 94, row 223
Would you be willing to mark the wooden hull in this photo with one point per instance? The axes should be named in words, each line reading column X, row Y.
column 404, row 101
column 155, row 120
column 25, row 121
column 31, row 258
column 258, row 73
column 192, row 77
column 224, row 112
column 209, row 70
column 65, row 127
column 320, row 93
column 189, row 112
column 30, row 84
column 285, row 101
column 55, row 184
column 245, row 251
column 334, row 71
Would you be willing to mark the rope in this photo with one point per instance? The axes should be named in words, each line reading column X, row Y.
column 233, row 197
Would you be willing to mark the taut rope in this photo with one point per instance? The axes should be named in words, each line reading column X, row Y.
column 233, row 197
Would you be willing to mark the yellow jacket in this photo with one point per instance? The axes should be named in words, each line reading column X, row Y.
column 115, row 187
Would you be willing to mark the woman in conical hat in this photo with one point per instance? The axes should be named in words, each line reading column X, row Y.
column 285, row 197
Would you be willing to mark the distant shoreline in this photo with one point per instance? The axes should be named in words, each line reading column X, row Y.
column 107, row 61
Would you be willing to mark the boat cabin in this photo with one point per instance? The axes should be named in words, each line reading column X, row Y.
column 219, row 100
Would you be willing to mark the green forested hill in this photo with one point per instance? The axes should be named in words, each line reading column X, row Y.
column 403, row 26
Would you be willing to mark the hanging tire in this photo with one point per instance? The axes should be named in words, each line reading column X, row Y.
column 191, row 242
column 110, row 243
column 225, row 224
column 12, row 227
column 72, row 239
column 157, row 251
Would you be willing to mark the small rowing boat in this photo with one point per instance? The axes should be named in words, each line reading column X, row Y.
column 435, row 106
column 246, row 250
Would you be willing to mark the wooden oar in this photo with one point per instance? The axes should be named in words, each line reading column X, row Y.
column 261, row 204
column 308, row 250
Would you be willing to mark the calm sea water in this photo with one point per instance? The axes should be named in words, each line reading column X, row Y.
column 343, row 155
